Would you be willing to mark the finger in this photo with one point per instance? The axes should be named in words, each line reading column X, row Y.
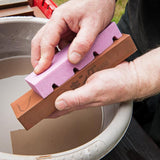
column 57, row 113
column 50, row 39
column 76, row 98
column 82, row 43
column 35, row 47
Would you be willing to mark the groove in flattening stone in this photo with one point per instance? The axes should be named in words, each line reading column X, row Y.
column 95, row 54
column 75, row 70
column 114, row 38
column 61, row 69
column 54, row 86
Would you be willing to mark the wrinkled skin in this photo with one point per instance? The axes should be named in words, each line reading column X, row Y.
column 127, row 81
column 79, row 22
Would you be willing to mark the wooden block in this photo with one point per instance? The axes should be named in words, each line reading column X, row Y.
column 38, row 12
column 4, row 4
column 31, row 108
column 61, row 69
column 17, row 11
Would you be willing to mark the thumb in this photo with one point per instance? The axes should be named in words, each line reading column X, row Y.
column 82, row 44
column 74, row 98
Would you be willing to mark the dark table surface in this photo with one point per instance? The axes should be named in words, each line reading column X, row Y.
column 135, row 145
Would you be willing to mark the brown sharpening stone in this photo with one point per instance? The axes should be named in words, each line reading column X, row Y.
column 32, row 108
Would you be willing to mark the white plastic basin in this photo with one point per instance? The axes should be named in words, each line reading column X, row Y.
column 82, row 135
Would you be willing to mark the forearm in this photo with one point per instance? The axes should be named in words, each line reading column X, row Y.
column 147, row 71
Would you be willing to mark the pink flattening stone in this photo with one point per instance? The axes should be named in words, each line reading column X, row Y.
column 61, row 69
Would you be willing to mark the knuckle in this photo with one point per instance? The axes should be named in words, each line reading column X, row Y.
column 45, row 43
column 58, row 12
column 76, row 100
column 84, row 46
column 69, row 20
column 88, row 43
column 34, row 42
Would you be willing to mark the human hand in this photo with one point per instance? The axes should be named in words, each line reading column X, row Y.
column 127, row 81
column 102, row 88
column 77, row 20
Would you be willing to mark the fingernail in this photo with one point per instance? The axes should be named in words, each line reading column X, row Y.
column 61, row 105
column 36, row 69
column 75, row 57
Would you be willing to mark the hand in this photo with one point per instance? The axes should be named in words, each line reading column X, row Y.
column 102, row 88
column 128, row 81
column 77, row 20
